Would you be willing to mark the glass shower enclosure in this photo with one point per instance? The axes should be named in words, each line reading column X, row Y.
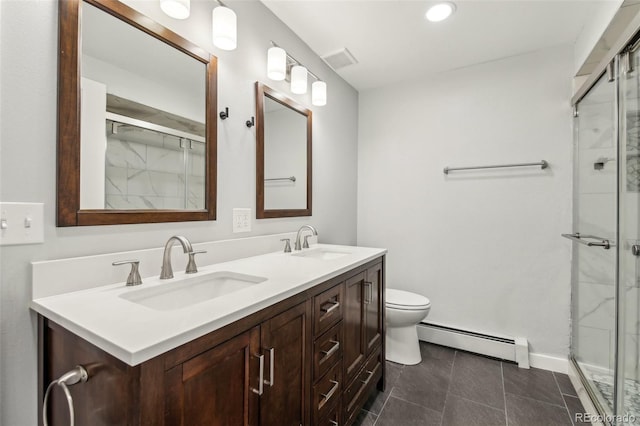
column 606, row 251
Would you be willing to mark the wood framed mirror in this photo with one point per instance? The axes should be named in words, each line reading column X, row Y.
column 136, row 119
column 283, row 155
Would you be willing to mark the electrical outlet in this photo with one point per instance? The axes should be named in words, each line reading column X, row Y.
column 21, row 223
column 241, row 220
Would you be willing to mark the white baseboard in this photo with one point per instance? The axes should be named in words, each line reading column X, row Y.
column 511, row 349
column 549, row 362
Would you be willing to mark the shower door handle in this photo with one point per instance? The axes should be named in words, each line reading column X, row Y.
column 582, row 239
column 635, row 249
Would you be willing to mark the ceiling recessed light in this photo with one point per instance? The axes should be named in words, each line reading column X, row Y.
column 440, row 12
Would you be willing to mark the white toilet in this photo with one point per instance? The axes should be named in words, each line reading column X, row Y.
column 404, row 310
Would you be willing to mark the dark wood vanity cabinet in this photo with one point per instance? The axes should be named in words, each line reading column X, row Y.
column 322, row 355
column 364, row 328
column 216, row 387
column 222, row 385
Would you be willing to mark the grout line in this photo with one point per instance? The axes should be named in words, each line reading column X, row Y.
column 446, row 395
column 383, row 405
column 566, row 407
column 477, row 403
column 563, row 405
column 504, row 395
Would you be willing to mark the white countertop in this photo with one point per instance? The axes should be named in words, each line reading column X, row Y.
column 134, row 333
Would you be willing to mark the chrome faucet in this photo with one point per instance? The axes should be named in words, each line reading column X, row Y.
column 167, row 271
column 306, row 243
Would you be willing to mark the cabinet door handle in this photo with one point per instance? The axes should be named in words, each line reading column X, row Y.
column 272, row 354
column 369, row 375
column 368, row 295
column 334, row 348
column 260, row 389
column 327, row 396
column 334, row 306
column 333, row 422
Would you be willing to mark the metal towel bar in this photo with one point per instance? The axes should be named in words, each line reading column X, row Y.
column 581, row 239
column 543, row 165
column 291, row 178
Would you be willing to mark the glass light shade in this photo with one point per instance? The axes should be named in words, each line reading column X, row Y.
column 178, row 9
column 299, row 79
column 440, row 12
column 319, row 93
column 225, row 28
column 276, row 63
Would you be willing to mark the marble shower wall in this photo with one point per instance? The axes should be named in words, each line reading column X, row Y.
column 154, row 176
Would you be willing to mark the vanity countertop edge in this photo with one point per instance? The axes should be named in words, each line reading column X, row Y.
column 134, row 333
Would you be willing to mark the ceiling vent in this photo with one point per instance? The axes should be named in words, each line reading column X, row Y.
column 340, row 59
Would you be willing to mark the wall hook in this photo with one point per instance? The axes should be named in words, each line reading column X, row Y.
column 224, row 114
column 251, row 123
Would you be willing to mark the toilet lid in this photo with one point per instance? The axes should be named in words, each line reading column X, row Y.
column 400, row 299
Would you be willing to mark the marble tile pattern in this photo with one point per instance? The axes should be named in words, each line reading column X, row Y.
column 141, row 174
column 604, row 385
column 456, row 388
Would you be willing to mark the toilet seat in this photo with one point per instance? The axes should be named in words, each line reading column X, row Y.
column 405, row 300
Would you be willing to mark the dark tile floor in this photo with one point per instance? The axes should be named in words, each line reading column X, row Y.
column 455, row 388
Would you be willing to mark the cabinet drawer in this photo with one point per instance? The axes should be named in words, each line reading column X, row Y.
column 326, row 393
column 365, row 381
column 327, row 308
column 327, row 350
column 333, row 417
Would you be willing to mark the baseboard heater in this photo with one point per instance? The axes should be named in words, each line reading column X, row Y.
column 511, row 349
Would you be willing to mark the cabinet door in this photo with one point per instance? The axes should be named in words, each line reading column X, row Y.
column 373, row 309
column 217, row 386
column 286, row 345
column 352, row 323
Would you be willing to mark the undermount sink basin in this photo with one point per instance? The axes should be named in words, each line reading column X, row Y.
column 186, row 292
column 321, row 253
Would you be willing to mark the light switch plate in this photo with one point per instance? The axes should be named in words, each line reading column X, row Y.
column 21, row 223
column 241, row 220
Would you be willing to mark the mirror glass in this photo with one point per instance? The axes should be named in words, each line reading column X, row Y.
column 284, row 151
column 134, row 143
column 142, row 120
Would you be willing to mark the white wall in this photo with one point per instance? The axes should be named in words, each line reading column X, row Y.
column 28, row 72
column 593, row 30
column 483, row 246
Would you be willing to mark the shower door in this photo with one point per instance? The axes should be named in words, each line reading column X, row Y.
column 594, row 254
column 628, row 374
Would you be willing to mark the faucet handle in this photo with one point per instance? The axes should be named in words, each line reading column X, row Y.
column 191, row 265
column 306, row 241
column 134, row 274
column 287, row 246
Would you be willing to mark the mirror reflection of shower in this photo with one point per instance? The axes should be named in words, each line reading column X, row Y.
column 148, row 166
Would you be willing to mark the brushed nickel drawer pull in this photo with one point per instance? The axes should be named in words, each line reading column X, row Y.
column 272, row 354
column 334, row 348
column 260, row 389
column 334, row 306
column 368, row 296
column 369, row 373
column 327, row 396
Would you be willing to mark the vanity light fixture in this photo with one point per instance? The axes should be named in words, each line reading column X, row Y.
column 298, row 79
column 225, row 27
column 281, row 65
column 440, row 11
column 276, row 63
column 319, row 93
column 177, row 9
